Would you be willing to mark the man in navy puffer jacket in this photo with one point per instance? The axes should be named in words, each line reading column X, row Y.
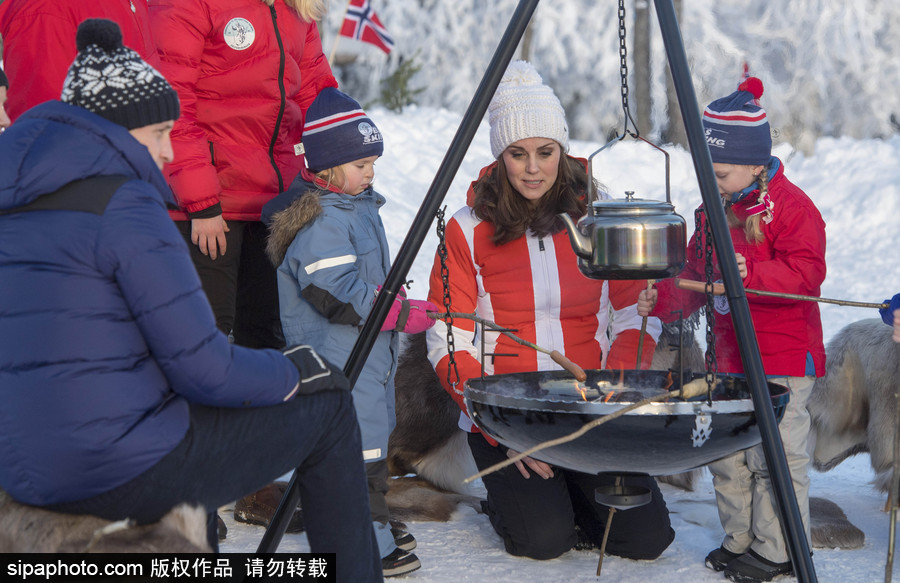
column 120, row 396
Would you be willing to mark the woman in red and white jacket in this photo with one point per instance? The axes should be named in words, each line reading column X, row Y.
column 245, row 72
column 510, row 261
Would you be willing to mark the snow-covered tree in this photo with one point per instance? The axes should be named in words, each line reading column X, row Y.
column 829, row 66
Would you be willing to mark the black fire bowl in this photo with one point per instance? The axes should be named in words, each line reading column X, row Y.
column 522, row 410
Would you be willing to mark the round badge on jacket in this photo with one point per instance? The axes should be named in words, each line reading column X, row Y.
column 239, row 33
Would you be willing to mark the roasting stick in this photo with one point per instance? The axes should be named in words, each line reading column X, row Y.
column 643, row 331
column 719, row 289
column 558, row 357
column 694, row 388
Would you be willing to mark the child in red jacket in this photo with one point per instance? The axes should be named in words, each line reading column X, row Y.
column 779, row 242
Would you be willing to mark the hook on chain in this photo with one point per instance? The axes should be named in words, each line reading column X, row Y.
column 623, row 73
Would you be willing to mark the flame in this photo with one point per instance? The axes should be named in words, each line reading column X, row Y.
column 583, row 391
column 622, row 377
column 669, row 381
column 608, row 396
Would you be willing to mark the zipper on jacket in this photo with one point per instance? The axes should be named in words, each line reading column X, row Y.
column 283, row 99
column 541, row 244
column 212, row 153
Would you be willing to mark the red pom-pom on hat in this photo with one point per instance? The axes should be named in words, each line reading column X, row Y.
column 753, row 85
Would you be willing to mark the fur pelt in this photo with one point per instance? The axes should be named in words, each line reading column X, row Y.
column 28, row 529
column 412, row 498
column 829, row 527
column 427, row 440
column 287, row 222
column 853, row 407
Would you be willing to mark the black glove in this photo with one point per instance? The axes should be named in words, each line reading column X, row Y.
column 316, row 373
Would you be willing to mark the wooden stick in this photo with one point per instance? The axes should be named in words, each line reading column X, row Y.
column 692, row 389
column 337, row 37
column 640, row 349
column 719, row 289
column 560, row 359
column 609, row 518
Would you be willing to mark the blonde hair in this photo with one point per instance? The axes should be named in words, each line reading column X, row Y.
column 309, row 10
column 332, row 176
column 752, row 230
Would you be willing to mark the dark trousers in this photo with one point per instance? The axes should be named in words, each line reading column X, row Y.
column 228, row 453
column 536, row 518
column 241, row 285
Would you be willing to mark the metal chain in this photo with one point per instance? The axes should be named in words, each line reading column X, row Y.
column 711, row 365
column 623, row 72
column 452, row 370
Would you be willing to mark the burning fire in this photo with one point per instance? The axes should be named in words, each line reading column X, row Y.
column 583, row 392
column 611, row 392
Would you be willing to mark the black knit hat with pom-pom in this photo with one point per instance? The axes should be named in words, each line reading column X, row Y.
column 111, row 80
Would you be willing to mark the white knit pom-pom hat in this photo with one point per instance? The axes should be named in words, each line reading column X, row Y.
column 523, row 107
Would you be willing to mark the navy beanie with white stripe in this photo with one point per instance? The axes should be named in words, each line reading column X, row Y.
column 737, row 129
column 338, row 131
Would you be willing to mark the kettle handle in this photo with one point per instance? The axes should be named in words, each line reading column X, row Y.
column 592, row 195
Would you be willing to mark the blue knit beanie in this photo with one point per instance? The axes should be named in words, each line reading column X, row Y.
column 338, row 131
column 737, row 129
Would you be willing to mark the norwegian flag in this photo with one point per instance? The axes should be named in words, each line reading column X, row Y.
column 361, row 23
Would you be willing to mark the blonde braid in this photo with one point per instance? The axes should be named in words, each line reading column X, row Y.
column 752, row 229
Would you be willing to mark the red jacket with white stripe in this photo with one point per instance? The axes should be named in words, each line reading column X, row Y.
column 533, row 287
column 245, row 73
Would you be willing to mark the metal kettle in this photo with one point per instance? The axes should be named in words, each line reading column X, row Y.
column 628, row 238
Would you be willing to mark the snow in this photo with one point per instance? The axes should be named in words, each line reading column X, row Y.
column 856, row 186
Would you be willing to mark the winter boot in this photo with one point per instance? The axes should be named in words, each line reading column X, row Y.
column 402, row 538
column 399, row 562
column 718, row 559
column 259, row 507
column 752, row 568
column 221, row 528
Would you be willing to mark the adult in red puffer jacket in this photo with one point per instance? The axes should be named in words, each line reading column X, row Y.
column 39, row 42
column 245, row 71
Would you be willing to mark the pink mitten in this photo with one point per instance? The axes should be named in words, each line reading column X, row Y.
column 409, row 316
column 418, row 320
column 397, row 315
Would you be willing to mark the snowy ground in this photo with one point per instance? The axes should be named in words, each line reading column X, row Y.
column 856, row 186
column 468, row 549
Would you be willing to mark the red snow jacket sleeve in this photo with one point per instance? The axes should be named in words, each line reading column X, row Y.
column 182, row 28
column 462, row 290
column 623, row 295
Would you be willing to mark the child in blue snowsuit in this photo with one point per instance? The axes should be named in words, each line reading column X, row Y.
column 328, row 241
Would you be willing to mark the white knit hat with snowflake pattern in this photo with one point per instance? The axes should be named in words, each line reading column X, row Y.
column 523, row 107
column 112, row 81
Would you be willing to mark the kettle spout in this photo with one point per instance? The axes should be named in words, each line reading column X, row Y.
column 581, row 244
